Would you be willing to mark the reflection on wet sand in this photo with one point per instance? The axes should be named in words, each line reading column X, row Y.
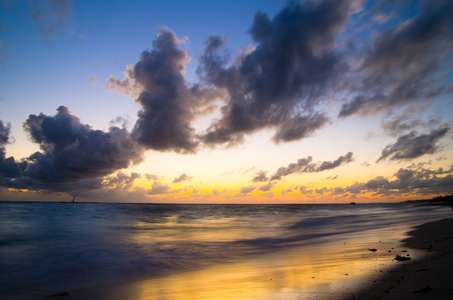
column 330, row 268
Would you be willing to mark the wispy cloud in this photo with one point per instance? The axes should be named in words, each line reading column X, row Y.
column 411, row 145
column 405, row 63
column 50, row 16
column 305, row 165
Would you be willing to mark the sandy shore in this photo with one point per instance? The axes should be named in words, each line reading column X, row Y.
column 429, row 275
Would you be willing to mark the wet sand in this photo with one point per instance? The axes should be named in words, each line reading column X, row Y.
column 428, row 275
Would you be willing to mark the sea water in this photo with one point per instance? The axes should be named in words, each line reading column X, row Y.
column 48, row 248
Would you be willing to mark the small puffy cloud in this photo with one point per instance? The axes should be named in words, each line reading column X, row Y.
column 159, row 189
column 411, row 145
column 247, row 189
column 127, row 86
column 267, row 187
column 305, row 191
column 92, row 79
column 121, row 180
column 261, row 176
column 182, row 177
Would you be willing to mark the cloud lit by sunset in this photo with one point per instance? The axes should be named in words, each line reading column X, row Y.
column 221, row 102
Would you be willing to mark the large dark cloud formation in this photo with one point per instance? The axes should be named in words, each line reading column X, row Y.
column 169, row 104
column 302, row 60
column 281, row 81
column 72, row 153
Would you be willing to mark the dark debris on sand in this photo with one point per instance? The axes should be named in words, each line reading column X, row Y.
column 63, row 294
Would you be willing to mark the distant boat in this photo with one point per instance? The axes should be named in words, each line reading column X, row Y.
column 353, row 203
column 73, row 199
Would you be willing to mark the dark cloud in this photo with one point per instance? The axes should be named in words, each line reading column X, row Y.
column 72, row 150
column 4, row 134
column 305, row 165
column 267, row 187
column 423, row 181
column 261, row 176
column 327, row 165
column 169, row 104
column 72, row 154
column 300, row 64
column 407, row 121
column 159, row 189
column 182, row 177
column 406, row 62
column 411, row 145
column 247, row 189
column 281, row 81
column 298, row 167
column 121, row 180
column 9, row 168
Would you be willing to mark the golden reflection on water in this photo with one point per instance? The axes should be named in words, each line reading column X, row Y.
column 330, row 269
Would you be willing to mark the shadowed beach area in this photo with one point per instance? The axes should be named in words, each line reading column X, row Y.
column 429, row 276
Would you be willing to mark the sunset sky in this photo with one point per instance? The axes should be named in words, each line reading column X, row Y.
column 226, row 101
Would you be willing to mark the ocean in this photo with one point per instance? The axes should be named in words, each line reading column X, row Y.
column 171, row 251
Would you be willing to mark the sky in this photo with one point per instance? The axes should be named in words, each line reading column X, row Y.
column 226, row 102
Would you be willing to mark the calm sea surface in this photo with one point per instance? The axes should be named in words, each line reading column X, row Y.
column 47, row 248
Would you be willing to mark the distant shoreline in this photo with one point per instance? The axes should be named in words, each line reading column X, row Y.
column 438, row 200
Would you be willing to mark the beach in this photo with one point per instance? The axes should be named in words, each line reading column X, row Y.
column 429, row 276
column 331, row 275
column 151, row 251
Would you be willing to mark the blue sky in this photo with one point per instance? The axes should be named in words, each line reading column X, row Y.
column 261, row 88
